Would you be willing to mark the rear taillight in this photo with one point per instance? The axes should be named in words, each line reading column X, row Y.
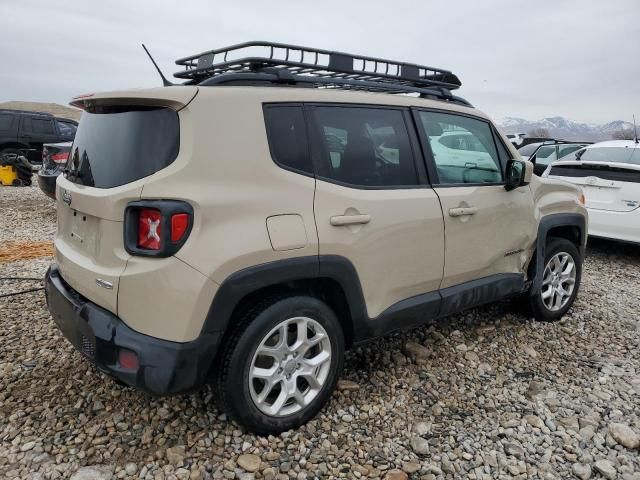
column 179, row 225
column 157, row 228
column 149, row 229
column 59, row 158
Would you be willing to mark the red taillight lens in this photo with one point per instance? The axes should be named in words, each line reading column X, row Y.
column 128, row 359
column 149, row 229
column 156, row 228
column 179, row 225
column 60, row 157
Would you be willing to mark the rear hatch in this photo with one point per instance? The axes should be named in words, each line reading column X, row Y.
column 606, row 186
column 122, row 139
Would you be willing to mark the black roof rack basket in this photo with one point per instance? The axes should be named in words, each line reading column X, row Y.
column 293, row 64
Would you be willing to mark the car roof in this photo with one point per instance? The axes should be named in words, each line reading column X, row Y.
column 531, row 144
column 25, row 112
column 179, row 96
column 615, row 143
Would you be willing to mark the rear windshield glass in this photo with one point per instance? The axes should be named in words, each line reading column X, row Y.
column 606, row 172
column 611, row 154
column 118, row 145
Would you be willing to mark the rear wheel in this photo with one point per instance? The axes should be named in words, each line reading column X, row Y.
column 560, row 281
column 281, row 365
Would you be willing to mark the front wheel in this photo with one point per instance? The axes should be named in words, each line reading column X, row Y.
column 281, row 364
column 560, row 281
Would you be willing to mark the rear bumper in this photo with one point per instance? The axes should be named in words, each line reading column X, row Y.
column 47, row 184
column 165, row 367
column 615, row 225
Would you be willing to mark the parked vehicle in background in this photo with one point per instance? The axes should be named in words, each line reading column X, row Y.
column 54, row 159
column 609, row 175
column 516, row 138
column 526, row 151
column 248, row 235
column 548, row 152
column 23, row 131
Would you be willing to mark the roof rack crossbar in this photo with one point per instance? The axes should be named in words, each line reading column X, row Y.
column 315, row 62
column 267, row 77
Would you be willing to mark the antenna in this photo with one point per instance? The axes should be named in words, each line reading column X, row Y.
column 165, row 82
column 635, row 129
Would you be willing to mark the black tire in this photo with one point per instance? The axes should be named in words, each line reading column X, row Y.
column 232, row 379
column 537, row 307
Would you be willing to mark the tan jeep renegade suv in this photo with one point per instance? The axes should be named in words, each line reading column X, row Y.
column 246, row 227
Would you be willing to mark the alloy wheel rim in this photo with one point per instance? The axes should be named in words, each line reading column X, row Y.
column 558, row 281
column 290, row 366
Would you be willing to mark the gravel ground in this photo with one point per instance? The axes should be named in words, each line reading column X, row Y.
column 487, row 394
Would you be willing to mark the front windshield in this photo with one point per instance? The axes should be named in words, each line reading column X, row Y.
column 527, row 150
column 546, row 154
column 611, row 154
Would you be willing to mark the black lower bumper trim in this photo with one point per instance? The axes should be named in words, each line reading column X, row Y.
column 47, row 184
column 165, row 367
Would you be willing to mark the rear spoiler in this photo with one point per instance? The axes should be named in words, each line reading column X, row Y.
column 176, row 97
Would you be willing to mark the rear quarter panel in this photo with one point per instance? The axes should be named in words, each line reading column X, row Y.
column 233, row 184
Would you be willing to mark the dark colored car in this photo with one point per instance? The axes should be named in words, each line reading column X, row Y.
column 22, row 131
column 54, row 159
column 547, row 152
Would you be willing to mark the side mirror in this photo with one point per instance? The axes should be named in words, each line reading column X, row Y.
column 518, row 174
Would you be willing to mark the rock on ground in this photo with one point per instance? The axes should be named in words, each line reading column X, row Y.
column 606, row 469
column 93, row 473
column 624, row 435
column 250, row 462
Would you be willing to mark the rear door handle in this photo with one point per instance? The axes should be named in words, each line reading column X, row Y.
column 462, row 211
column 341, row 220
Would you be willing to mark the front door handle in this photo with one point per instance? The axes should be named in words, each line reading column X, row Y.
column 342, row 220
column 462, row 211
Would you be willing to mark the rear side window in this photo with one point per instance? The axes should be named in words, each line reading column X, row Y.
column 119, row 145
column 366, row 147
column 6, row 120
column 566, row 150
column 42, row 126
column 288, row 137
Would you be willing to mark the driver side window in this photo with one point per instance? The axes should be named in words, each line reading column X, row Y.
column 463, row 148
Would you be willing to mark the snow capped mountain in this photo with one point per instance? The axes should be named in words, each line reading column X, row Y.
column 562, row 128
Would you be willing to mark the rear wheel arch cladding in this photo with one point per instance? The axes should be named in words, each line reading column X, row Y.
column 326, row 274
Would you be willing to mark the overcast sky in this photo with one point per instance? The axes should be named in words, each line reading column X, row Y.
column 578, row 59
